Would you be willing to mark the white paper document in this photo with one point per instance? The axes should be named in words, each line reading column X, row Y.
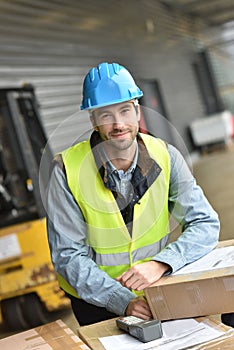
column 217, row 258
column 177, row 334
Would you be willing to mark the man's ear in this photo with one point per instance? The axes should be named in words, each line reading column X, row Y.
column 92, row 119
column 138, row 112
column 93, row 122
column 137, row 109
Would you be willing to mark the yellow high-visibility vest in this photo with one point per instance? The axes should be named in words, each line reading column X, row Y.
column 115, row 250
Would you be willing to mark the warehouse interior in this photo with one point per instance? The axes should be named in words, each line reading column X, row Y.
column 181, row 53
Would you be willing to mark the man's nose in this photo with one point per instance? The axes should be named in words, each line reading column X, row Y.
column 118, row 120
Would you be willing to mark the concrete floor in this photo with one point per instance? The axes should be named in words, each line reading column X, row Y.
column 215, row 173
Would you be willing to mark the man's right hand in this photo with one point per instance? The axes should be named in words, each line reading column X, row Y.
column 140, row 308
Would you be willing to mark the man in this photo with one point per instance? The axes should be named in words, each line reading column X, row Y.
column 108, row 206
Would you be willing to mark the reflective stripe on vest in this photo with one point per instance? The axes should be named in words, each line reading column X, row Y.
column 138, row 254
column 115, row 250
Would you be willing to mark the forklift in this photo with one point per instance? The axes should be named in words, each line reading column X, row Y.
column 29, row 291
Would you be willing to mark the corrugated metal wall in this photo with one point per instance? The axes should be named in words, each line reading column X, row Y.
column 52, row 44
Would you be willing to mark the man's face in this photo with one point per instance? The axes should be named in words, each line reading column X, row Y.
column 117, row 124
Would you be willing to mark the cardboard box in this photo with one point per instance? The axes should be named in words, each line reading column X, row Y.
column 193, row 294
column 52, row 336
column 90, row 334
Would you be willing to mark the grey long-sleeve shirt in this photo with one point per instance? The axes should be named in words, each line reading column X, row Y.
column 72, row 258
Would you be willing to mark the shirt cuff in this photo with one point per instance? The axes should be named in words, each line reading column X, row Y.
column 172, row 258
column 119, row 300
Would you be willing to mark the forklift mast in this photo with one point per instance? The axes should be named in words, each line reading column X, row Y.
column 29, row 290
column 22, row 142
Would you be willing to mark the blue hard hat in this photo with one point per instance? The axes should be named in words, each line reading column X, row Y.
column 107, row 84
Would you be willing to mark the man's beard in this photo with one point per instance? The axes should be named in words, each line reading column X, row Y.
column 120, row 144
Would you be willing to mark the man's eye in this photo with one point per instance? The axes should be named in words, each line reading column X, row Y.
column 105, row 116
column 125, row 111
